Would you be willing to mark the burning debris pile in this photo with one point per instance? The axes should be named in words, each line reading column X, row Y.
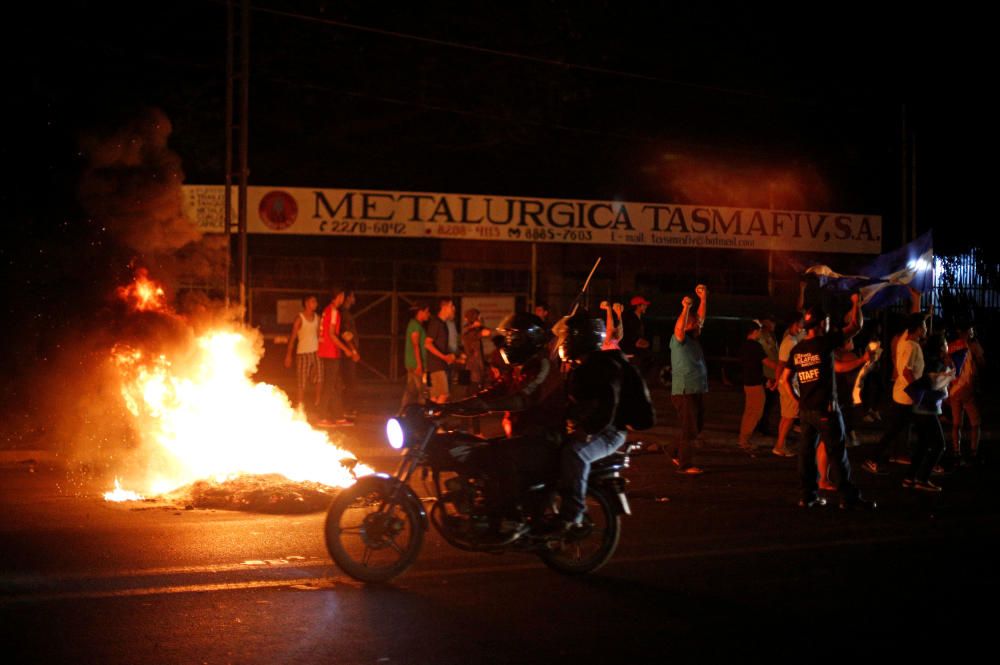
column 268, row 493
column 180, row 367
column 203, row 424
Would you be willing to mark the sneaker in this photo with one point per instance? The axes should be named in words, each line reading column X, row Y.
column 871, row 466
column 902, row 459
column 815, row 502
column 926, row 486
column 691, row 471
column 748, row 449
column 782, row 452
column 907, row 483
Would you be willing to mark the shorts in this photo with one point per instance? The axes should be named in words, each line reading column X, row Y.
column 308, row 369
column 789, row 405
column 439, row 384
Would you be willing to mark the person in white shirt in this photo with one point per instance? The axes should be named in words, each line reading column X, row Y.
column 909, row 367
column 308, row 369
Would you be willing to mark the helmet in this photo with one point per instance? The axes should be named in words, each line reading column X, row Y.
column 583, row 334
column 524, row 335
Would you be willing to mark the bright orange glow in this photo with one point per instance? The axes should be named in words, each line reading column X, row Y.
column 143, row 294
column 203, row 417
column 119, row 495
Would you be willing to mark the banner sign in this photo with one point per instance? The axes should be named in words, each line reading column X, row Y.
column 348, row 212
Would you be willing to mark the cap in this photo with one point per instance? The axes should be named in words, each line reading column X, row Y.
column 639, row 300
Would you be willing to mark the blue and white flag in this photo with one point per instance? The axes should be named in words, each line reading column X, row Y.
column 884, row 281
column 910, row 265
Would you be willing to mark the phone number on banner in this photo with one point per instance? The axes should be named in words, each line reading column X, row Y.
column 345, row 227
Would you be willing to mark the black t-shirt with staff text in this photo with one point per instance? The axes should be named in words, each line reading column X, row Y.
column 812, row 363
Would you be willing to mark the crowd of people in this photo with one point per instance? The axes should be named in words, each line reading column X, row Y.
column 819, row 377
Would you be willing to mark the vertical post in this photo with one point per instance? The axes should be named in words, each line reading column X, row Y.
column 533, row 295
column 903, row 179
column 770, row 273
column 244, row 144
column 913, row 188
column 228, row 214
column 394, row 325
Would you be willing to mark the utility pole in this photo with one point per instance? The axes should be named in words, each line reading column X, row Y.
column 904, row 180
column 237, row 121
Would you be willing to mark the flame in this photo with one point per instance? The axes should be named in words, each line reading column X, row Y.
column 118, row 494
column 205, row 418
column 144, row 294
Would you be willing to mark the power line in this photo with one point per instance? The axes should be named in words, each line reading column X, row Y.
column 584, row 131
column 528, row 58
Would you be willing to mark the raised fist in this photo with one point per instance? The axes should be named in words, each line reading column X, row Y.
column 688, row 301
column 701, row 290
column 604, row 304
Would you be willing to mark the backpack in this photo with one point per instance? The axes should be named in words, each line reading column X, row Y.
column 635, row 406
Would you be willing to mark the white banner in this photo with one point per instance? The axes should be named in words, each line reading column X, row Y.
column 348, row 212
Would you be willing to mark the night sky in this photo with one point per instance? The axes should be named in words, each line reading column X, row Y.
column 593, row 100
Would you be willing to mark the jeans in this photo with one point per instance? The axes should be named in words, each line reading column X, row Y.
column 928, row 447
column 691, row 411
column 828, row 426
column 575, row 459
column 899, row 419
column 333, row 388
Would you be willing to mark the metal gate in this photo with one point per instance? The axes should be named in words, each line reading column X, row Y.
column 381, row 318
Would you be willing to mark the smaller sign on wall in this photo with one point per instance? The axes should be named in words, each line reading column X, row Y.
column 492, row 310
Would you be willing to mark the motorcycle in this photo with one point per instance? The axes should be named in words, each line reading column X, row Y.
column 375, row 528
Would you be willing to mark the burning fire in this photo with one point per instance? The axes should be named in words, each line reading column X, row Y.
column 143, row 294
column 205, row 418
column 118, row 494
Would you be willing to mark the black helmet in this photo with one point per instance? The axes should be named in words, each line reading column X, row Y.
column 584, row 333
column 524, row 335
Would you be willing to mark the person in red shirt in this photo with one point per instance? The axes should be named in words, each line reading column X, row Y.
column 332, row 350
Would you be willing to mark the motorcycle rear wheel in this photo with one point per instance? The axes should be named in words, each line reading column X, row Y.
column 586, row 550
column 371, row 537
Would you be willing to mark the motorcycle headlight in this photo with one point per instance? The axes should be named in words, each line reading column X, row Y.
column 394, row 431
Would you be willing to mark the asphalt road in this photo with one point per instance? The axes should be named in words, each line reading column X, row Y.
column 713, row 567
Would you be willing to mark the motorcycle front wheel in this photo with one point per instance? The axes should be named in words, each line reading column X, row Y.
column 372, row 537
column 587, row 547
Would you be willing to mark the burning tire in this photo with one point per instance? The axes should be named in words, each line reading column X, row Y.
column 591, row 545
column 372, row 532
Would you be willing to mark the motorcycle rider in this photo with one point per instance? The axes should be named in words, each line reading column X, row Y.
column 595, row 389
column 534, row 399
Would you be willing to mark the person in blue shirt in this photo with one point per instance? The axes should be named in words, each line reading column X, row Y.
column 689, row 378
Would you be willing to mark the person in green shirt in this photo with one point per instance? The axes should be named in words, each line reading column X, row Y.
column 416, row 354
